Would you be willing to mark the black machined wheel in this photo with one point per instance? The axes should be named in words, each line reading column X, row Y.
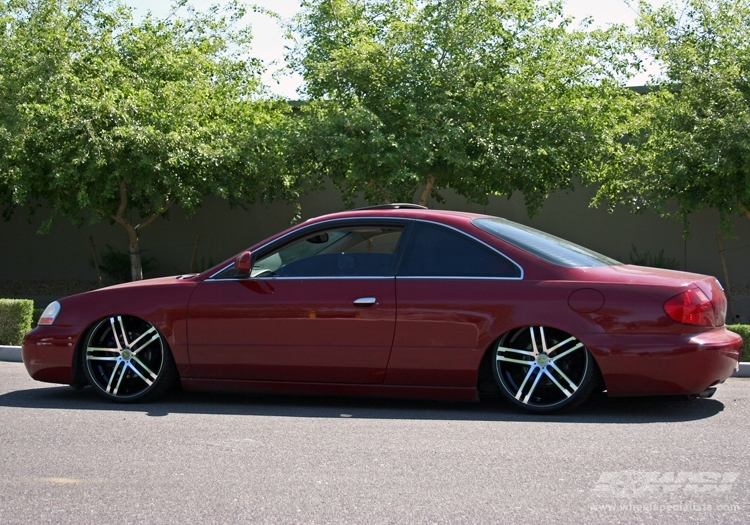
column 127, row 360
column 543, row 369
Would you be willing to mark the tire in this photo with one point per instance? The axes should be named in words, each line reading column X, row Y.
column 127, row 360
column 544, row 370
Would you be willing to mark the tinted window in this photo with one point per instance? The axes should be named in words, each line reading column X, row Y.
column 438, row 251
column 548, row 247
column 355, row 251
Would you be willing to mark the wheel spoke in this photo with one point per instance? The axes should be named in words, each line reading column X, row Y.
column 123, row 332
column 144, row 334
column 525, row 379
column 533, row 387
column 566, row 378
column 91, row 349
column 509, row 360
column 144, row 345
column 533, row 342
column 114, row 332
column 101, row 358
column 112, row 377
column 566, row 352
column 145, row 380
column 558, row 345
column 147, row 369
column 514, row 350
column 122, row 375
column 552, row 378
column 543, row 339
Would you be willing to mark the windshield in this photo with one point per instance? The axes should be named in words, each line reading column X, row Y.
column 545, row 246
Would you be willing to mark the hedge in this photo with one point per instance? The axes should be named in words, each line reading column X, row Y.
column 744, row 331
column 15, row 320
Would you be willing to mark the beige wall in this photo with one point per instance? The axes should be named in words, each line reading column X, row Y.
column 65, row 252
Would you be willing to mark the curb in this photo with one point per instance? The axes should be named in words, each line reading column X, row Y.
column 11, row 354
column 744, row 370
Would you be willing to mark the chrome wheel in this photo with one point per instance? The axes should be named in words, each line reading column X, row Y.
column 126, row 359
column 543, row 369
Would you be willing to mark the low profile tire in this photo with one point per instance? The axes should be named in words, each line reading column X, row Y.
column 127, row 360
column 543, row 370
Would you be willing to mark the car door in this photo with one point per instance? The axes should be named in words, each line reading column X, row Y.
column 451, row 290
column 319, row 308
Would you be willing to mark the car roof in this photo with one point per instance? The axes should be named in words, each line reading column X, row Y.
column 400, row 211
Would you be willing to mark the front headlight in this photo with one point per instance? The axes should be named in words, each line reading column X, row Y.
column 49, row 314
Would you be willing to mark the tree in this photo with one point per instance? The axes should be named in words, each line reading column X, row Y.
column 689, row 146
column 106, row 118
column 487, row 97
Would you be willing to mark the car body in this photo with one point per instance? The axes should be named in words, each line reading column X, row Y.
column 398, row 301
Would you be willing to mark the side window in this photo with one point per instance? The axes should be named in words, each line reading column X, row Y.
column 357, row 251
column 438, row 251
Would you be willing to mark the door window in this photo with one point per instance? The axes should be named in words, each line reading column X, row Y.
column 356, row 251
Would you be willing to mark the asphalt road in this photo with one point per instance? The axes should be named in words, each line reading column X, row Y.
column 68, row 457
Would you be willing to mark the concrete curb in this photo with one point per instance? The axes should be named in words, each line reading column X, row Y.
column 11, row 354
column 744, row 370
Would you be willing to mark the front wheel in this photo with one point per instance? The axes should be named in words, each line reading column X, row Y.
column 127, row 360
column 543, row 370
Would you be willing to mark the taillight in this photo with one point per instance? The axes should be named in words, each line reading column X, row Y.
column 691, row 307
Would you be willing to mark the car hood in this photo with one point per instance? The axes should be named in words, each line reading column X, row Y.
column 158, row 281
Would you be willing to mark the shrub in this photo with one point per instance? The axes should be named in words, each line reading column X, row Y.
column 15, row 320
column 744, row 331
column 116, row 264
column 645, row 258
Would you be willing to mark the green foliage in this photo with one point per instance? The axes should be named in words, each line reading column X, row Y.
column 487, row 97
column 15, row 320
column 660, row 260
column 689, row 142
column 116, row 264
column 744, row 331
column 107, row 118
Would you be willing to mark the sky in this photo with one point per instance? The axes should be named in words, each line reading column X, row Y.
column 269, row 43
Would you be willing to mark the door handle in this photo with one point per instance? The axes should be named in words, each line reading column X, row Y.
column 365, row 301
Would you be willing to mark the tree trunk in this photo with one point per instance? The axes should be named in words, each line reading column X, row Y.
column 134, row 249
column 745, row 210
column 427, row 190
column 136, row 270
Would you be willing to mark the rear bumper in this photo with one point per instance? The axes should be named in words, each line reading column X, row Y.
column 642, row 365
column 48, row 351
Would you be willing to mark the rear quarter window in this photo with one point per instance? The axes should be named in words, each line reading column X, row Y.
column 545, row 246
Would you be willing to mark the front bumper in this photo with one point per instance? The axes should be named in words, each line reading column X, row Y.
column 48, row 353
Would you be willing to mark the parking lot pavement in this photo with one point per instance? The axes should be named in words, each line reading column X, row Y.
column 69, row 457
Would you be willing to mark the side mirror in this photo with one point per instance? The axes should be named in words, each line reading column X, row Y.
column 243, row 264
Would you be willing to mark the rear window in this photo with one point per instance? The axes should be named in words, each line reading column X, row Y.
column 545, row 246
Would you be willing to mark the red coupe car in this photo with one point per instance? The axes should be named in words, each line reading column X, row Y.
column 402, row 301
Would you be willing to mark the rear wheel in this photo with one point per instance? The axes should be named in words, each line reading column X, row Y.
column 542, row 369
column 127, row 360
